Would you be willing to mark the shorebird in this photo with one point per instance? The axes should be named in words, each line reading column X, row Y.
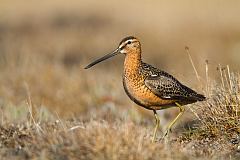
column 148, row 86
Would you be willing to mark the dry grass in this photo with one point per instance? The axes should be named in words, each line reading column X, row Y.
column 91, row 140
column 50, row 108
column 116, row 136
column 218, row 117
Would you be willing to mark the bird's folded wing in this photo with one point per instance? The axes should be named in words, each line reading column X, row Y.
column 165, row 87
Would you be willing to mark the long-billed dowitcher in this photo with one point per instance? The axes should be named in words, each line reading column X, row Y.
column 148, row 86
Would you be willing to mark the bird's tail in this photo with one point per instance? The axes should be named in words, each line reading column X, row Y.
column 200, row 97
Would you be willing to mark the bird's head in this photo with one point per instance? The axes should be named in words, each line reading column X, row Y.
column 129, row 45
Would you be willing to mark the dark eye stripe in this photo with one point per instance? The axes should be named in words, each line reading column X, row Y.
column 126, row 43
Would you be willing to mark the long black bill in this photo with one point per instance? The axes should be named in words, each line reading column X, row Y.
column 102, row 58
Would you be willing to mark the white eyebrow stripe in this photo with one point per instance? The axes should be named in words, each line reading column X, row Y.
column 125, row 43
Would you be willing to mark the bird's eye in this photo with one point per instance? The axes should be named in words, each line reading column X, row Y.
column 129, row 42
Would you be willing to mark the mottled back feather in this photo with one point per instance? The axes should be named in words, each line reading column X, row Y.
column 166, row 86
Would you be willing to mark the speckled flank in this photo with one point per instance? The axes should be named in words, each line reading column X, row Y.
column 134, row 85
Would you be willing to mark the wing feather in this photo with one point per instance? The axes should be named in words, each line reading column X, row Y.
column 166, row 86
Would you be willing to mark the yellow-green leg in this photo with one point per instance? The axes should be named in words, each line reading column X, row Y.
column 182, row 109
column 156, row 126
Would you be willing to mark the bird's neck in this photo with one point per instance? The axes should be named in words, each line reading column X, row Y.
column 132, row 63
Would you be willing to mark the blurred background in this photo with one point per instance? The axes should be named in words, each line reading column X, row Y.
column 44, row 46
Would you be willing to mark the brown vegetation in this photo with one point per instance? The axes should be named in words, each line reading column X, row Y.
column 50, row 108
